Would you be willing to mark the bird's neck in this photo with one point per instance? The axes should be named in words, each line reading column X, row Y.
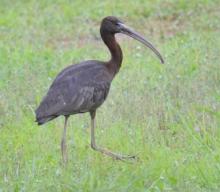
column 114, row 63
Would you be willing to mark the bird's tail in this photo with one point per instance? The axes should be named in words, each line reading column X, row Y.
column 42, row 120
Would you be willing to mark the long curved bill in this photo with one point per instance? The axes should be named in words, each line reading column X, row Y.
column 127, row 31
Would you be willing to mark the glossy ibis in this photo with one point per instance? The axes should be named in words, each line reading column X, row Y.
column 83, row 87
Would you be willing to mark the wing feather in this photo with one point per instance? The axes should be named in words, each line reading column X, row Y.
column 77, row 93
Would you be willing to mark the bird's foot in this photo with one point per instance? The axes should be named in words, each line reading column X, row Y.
column 115, row 155
column 125, row 157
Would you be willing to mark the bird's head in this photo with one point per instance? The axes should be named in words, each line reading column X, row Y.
column 113, row 25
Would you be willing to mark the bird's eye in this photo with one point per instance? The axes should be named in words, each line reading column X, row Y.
column 117, row 24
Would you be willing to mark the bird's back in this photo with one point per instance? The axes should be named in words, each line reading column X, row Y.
column 78, row 88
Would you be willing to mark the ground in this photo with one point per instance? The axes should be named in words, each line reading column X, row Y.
column 168, row 115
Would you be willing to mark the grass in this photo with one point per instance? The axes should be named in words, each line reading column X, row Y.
column 169, row 115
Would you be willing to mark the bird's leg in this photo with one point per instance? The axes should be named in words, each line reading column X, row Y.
column 102, row 150
column 63, row 142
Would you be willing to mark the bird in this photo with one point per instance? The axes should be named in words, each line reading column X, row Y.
column 83, row 87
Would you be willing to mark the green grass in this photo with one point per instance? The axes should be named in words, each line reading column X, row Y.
column 169, row 115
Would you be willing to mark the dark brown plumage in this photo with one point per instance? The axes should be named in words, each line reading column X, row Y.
column 84, row 87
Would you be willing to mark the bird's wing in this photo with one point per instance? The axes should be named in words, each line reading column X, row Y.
column 71, row 96
column 55, row 100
